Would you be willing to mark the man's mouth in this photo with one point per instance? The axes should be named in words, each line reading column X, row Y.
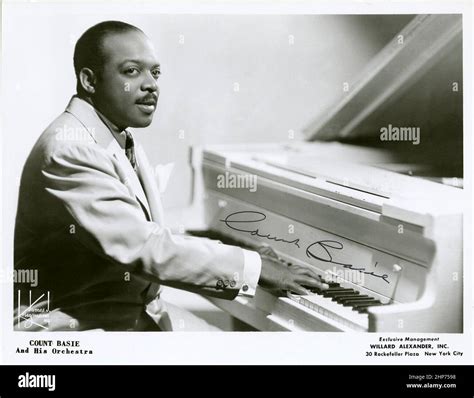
column 146, row 108
column 147, row 104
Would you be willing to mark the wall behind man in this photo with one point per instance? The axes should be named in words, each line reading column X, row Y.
column 225, row 78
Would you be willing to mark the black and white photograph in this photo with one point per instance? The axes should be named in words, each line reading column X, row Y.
column 236, row 171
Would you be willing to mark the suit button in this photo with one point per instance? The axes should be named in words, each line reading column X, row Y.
column 220, row 284
column 226, row 283
column 245, row 288
column 232, row 283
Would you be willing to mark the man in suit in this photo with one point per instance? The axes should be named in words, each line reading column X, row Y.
column 89, row 215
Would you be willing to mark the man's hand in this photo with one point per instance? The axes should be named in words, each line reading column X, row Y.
column 276, row 275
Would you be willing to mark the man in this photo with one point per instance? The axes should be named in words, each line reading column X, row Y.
column 89, row 214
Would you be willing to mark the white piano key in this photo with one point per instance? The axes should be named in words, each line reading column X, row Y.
column 334, row 310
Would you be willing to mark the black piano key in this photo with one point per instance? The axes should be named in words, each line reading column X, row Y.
column 365, row 303
column 340, row 297
column 363, row 295
column 317, row 290
column 313, row 289
column 332, row 293
column 363, row 309
column 361, row 305
column 335, row 289
column 357, row 297
column 367, row 299
column 351, row 302
column 324, row 293
column 350, row 292
column 352, row 305
column 345, row 291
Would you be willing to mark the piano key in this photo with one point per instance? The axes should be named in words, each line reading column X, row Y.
column 333, row 290
column 359, row 304
column 354, row 303
column 331, row 284
column 329, row 294
column 363, row 309
column 317, row 290
column 340, row 297
column 366, row 302
column 369, row 305
column 336, row 293
column 333, row 310
column 359, row 297
column 346, row 293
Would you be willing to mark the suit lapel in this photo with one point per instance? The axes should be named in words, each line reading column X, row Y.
column 146, row 175
column 86, row 114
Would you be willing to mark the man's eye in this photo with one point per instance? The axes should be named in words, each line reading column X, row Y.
column 132, row 71
column 156, row 73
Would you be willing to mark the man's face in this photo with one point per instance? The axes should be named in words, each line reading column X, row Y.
column 126, row 89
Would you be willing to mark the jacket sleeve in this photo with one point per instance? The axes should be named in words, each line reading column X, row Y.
column 85, row 181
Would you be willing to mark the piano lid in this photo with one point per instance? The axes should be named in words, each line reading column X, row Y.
column 316, row 168
column 407, row 100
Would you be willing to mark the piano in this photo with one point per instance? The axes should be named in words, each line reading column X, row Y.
column 381, row 221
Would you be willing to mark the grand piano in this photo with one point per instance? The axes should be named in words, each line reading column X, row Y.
column 376, row 214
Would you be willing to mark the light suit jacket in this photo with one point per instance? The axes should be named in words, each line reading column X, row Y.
column 93, row 230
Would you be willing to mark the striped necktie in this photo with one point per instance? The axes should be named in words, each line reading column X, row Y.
column 130, row 150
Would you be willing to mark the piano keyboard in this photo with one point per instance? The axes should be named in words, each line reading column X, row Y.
column 346, row 306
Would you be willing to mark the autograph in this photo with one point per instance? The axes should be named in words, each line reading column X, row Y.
column 319, row 250
column 334, row 244
column 229, row 221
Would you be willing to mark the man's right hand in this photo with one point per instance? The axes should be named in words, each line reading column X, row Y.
column 293, row 278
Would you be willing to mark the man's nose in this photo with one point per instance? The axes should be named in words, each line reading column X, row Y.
column 149, row 83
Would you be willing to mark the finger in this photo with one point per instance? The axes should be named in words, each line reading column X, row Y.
column 312, row 282
column 298, row 289
column 301, row 269
column 267, row 250
column 305, row 271
column 315, row 276
column 310, row 273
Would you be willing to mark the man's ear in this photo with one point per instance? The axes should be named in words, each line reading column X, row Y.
column 88, row 79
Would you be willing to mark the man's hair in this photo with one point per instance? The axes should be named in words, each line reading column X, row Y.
column 89, row 51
